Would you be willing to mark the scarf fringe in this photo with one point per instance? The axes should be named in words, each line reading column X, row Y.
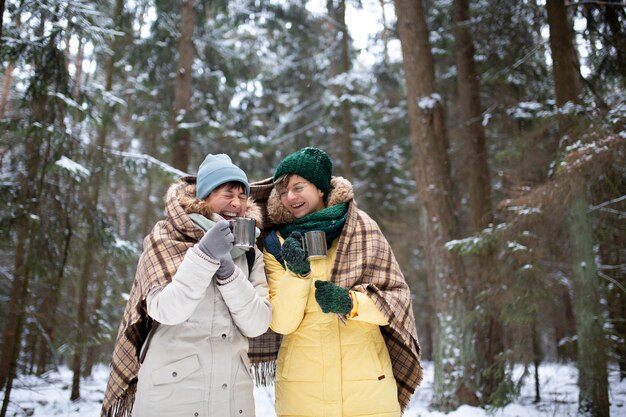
column 122, row 406
column 264, row 373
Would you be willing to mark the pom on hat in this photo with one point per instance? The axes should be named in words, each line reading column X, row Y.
column 216, row 170
column 312, row 164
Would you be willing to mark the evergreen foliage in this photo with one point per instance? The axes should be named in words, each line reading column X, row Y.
column 263, row 87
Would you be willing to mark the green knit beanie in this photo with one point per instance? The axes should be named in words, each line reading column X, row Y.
column 312, row 164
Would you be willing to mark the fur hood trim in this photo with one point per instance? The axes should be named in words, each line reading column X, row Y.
column 185, row 189
column 340, row 192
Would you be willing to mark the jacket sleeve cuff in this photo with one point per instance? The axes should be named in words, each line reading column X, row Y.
column 355, row 305
column 302, row 276
column 196, row 250
column 364, row 309
column 227, row 280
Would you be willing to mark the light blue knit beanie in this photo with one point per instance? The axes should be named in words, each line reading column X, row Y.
column 216, row 170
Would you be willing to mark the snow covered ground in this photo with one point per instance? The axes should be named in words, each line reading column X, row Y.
column 49, row 396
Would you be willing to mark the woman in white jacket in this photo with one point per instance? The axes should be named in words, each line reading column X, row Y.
column 182, row 348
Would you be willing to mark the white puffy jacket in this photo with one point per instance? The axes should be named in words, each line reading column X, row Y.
column 196, row 363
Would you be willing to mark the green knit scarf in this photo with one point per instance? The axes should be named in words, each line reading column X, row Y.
column 330, row 220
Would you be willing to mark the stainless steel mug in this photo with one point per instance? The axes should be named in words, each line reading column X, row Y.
column 314, row 243
column 244, row 230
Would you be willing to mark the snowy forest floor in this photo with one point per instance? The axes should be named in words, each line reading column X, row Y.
column 49, row 396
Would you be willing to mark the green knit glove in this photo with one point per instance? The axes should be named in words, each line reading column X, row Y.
column 332, row 298
column 294, row 254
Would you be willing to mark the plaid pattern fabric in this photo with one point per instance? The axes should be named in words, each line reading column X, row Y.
column 163, row 251
column 262, row 352
column 260, row 192
column 365, row 262
column 263, row 349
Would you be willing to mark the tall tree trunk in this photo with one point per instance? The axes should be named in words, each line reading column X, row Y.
column 90, row 357
column 78, row 63
column 6, row 89
column 490, row 344
column 30, row 187
column 612, row 14
column 182, row 99
column 50, row 305
column 30, row 349
column 1, row 16
column 565, row 66
column 452, row 347
column 612, row 253
column 81, row 314
column 15, row 310
column 385, row 34
column 337, row 12
column 346, row 117
column 147, row 220
column 30, row 190
column 565, row 324
column 91, row 245
column 593, row 399
column 471, row 113
column 8, row 74
column 536, row 350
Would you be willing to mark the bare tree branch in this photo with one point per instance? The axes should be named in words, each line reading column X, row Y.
column 598, row 3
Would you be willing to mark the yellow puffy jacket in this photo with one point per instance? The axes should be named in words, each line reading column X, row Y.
column 325, row 367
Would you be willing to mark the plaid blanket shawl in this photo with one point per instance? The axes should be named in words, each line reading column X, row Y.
column 365, row 262
column 163, row 251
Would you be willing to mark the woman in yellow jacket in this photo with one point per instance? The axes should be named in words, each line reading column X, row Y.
column 349, row 343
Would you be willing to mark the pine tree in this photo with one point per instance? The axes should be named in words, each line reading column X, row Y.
column 452, row 386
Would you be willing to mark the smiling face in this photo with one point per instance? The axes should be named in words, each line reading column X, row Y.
column 300, row 197
column 228, row 200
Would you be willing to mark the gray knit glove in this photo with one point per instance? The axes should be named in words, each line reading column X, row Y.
column 217, row 241
column 226, row 269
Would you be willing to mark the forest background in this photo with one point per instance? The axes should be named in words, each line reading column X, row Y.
column 485, row 137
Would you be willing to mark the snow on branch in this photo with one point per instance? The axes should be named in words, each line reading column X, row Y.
column 142, row 156
column 583, row 155
column 73, row 167
column 597, row 3
column 606, row 203
column 612, row 281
